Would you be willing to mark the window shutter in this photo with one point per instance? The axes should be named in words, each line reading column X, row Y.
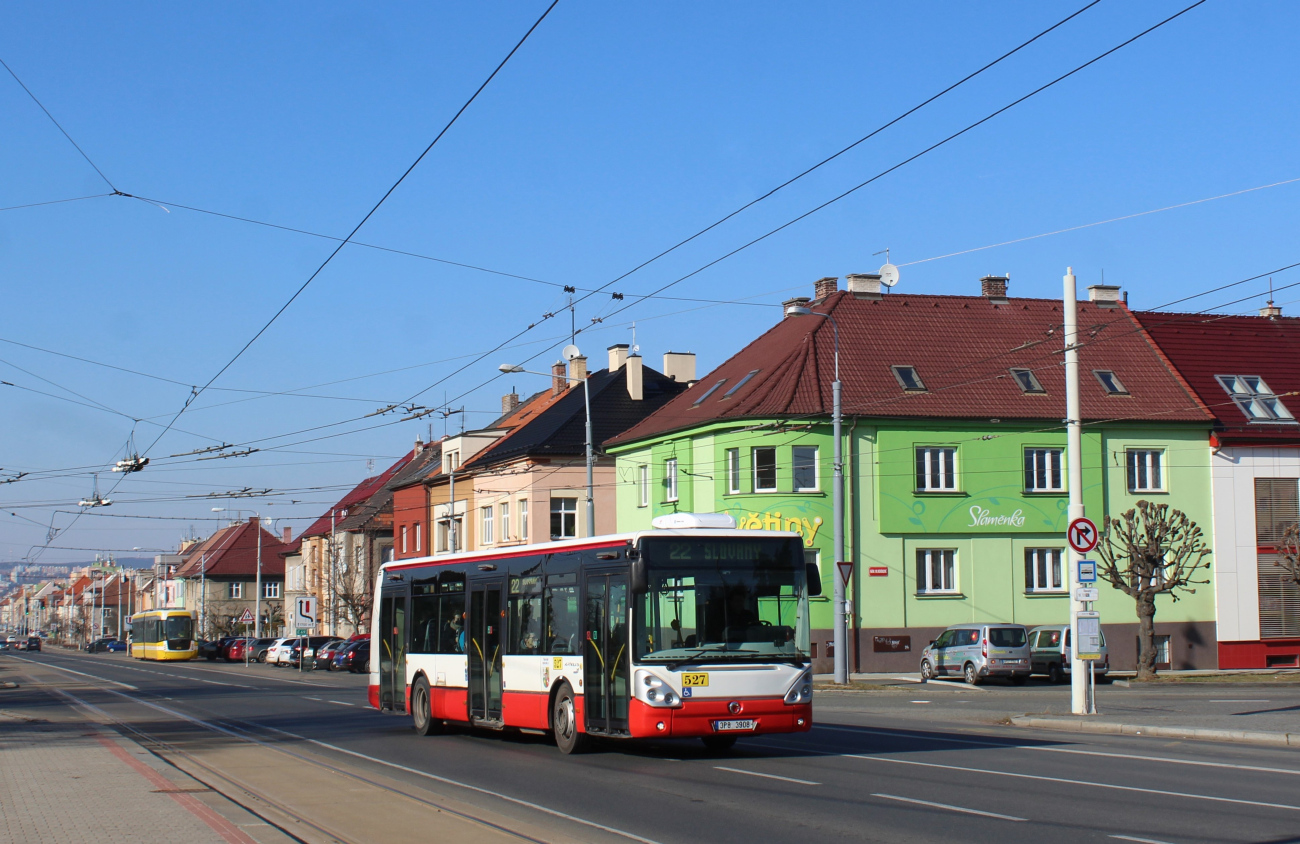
column 1277, row 505
column 1279, row 600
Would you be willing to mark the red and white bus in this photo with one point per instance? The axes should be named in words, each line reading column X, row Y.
column 691, row 630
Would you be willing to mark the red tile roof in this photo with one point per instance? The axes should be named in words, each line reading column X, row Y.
column 359, row 494
column 962, row 348
column 232, row 551
column 1202, row 346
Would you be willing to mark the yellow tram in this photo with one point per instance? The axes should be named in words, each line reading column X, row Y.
column 163, row 634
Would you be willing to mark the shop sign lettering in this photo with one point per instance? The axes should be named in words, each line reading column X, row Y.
column 807, row 528
column 981, row 517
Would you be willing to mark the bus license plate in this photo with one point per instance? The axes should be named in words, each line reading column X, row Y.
column 725, row 726
column 698, row 678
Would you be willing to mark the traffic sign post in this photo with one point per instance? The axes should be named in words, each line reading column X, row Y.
column 304, row 621
column 246, row 619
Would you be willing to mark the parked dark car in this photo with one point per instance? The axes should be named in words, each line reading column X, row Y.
column 260, row 647
column 104, row 645
column 355, row 658
column 212, row 650
column 313, row 644
column 33, row 643
column 325, row 653
column 236, row 650
column 116, row 646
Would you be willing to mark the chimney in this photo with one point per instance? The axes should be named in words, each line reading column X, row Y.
column 419, row 444
column 509, row 402
column 578, row 369
column 994, row 287
column 1270, row 310
column 617, row 356
column 1103, row 295
column 634, row 377
column 558, row 381
column 286, row 535
column 824, row 287
column 865, row 285
column 680, row 366
column 797, row 301
column 254, row 521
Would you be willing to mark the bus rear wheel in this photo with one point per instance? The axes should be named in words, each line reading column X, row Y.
column 421, row 710
column 564, row 722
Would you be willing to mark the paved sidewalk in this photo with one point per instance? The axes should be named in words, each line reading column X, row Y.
column 74, row 783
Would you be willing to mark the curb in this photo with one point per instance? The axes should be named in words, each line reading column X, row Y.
column 1083, row 725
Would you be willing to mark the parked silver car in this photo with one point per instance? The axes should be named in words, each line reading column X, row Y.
column 1049, row 653
column 976, row 652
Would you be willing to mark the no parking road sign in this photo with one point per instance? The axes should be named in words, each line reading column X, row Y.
column 1082, row 535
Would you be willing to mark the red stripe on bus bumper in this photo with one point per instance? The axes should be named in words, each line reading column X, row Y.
column 696, row 717
column 374, row 696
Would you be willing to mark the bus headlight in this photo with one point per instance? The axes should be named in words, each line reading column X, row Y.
column 801, row 691
column 655, row 691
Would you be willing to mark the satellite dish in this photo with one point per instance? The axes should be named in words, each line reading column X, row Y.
column 889, row 275
column 570, row 352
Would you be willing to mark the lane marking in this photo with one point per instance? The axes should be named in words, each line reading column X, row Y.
column 1139, row 840
column 321, row 699
column 765, row 776
column 949, row 808
column 1193, row 762
column 897, row 735
column 341, row 702
column 82, row 673
column 1229, row 700
column 1014, row 775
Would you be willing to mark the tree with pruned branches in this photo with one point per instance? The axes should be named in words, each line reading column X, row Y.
column 1289, row 553
column 1149, row 551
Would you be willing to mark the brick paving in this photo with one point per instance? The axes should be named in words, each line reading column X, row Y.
column 66, row 783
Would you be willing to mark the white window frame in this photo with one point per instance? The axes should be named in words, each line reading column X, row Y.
column 947, row 560
column 404, row 548
column 563, row 510
column 486, row 525
column 1104, row 375
column 1139, row 465
column 733, row 471
column 523, row 519
column 776, row 468
column 670, row 479
column 235, row 591
column 1042, row 458
column 816, row 467
column 271, row 589
column 947, row 474
column 1045, row 570
column 417, row 537
column 505, row 520
column 643, row 485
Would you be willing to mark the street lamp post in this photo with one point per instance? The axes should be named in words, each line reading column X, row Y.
column 837, row 495
column 591, row 459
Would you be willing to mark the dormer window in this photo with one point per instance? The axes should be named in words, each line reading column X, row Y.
column 708, row 393
column 1255, row 399
column 1109, row 382
column 908, row 379
column 1027, row 381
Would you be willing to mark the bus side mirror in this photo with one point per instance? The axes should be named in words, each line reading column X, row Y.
column 814, row 580
column 639, row 576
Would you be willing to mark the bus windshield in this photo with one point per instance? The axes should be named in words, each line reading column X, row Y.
column 723, row 598
column 179, row 627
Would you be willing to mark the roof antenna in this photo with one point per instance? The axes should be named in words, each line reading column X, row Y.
column 889, row 272
column 635, row 348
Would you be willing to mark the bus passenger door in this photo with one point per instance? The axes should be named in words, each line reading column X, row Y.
column 392, row 652
column 606, row 657
column 486, row 618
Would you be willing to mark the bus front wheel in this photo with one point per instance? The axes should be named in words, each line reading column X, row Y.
column 564, row 722
column 421, row 711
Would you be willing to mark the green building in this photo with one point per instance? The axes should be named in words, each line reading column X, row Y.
column 954, row 450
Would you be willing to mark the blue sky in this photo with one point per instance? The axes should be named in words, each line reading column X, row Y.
column 615, row 131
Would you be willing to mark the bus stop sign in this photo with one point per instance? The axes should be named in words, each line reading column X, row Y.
column 1082, row 535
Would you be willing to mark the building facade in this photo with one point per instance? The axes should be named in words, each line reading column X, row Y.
column 954, row 453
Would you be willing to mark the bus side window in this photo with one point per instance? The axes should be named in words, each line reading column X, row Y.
column 525, row 615
column 560, row 614
column 451, row 616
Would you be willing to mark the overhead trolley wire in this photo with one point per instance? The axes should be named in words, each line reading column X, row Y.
column 923, row 152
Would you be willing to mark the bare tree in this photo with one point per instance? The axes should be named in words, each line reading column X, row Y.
column 1289, row 553
column 1149, row 551
column 352, row 590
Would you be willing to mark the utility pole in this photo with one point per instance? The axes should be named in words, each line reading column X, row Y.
column 333, row 563
column 1074, row 463
column 257, row 599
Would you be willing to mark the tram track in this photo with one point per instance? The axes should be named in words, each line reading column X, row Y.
column 281, row 814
